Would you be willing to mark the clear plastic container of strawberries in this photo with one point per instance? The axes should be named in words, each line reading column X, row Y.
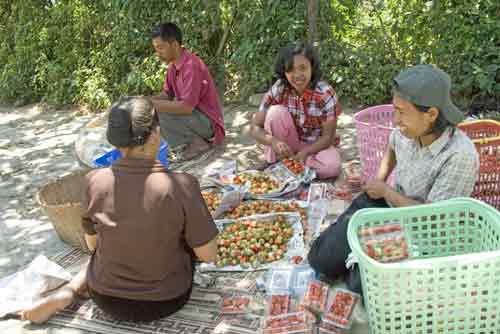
column 327, row 328
column 287, row 323
column 236, row 304
column 278, row 303
column 316, row 296
column 384, row 243
column 340, row 309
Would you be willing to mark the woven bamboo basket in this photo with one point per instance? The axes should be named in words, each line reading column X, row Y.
column 61, row 201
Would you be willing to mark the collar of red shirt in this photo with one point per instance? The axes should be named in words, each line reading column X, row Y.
column 178, row 64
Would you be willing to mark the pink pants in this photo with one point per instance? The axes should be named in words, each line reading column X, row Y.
column 279, row 124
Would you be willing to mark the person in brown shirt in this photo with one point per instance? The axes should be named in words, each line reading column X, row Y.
column 147, row 225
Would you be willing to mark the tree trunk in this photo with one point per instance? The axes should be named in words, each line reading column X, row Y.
column 212, row 41
column 312, row 17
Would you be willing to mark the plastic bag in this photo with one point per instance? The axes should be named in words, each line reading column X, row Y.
column 219, row 201
column 340, row 309
column 317, row 212
column 20, row 290
column 296, row 279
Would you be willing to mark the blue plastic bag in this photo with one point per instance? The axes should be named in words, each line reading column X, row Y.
column 108, row 158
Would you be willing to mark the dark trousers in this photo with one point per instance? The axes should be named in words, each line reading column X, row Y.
column 141, row 310
column 330, row 250
column 138, row 310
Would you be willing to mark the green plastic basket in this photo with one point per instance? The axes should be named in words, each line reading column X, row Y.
column 450, row 283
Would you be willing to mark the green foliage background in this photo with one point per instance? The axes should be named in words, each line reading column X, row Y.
column 89, row 52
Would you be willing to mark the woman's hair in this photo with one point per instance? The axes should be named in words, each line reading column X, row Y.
column 131, row 121
column 168, row 32
column 284, row 63
column 440, row 124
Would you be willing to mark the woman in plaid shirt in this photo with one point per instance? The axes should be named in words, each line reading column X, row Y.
column 298, row 115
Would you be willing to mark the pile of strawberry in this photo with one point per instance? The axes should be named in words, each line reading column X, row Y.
column 260, row 183
column 212, row 199
column 253, row 242
column 251, row 208
column 294, row 166
column 279, row 304
column 384, row 243
column 316, row 295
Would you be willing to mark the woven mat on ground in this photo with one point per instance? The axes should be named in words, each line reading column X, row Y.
column 201, row 314
column 178, row 164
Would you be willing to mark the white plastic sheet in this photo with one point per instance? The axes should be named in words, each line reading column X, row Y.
column 20, row 290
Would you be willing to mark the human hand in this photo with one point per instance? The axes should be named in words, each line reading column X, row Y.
column 375, row 189
column 281, row 148
column 301, row 156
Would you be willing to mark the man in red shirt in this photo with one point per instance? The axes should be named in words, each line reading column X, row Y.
column 189, row 108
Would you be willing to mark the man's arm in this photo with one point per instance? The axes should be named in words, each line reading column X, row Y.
column 187, row 97
column 200, row 231
column 90, row 233
column 378, row 188
column 328, row 130
column 207, row 252
column 91, row 241
column 387, row 164
column 175, row 107
column 397, row 200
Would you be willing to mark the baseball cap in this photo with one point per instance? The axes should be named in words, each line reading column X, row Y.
column 428, row 86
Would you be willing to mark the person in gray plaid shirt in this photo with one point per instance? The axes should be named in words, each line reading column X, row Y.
column 432, row 159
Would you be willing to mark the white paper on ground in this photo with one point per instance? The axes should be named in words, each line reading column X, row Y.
column 219, row 168
column 20, row 290
column 230, row 199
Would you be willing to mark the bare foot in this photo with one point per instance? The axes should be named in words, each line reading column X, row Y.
column 197, row 146
column 45, row 308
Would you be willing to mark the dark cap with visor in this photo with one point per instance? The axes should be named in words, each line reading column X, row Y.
column 428, row 86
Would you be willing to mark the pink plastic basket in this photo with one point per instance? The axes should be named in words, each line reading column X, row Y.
column 373, row 127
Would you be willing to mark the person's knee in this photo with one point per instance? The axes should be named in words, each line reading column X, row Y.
column 316, row 261
column 276, row 113
column 330, row 165
column 329, row 170
column 313, row 258
column 325, row 260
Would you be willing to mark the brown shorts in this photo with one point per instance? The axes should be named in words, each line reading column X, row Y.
column 138, row 310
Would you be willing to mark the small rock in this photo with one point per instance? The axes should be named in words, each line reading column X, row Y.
column 9, row 166
column 5, row 142
column 8, row 133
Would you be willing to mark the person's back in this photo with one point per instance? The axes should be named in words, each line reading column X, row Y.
column 144, row 224
column 146, row 217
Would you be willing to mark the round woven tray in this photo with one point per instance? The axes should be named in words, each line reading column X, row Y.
column 61, row 201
